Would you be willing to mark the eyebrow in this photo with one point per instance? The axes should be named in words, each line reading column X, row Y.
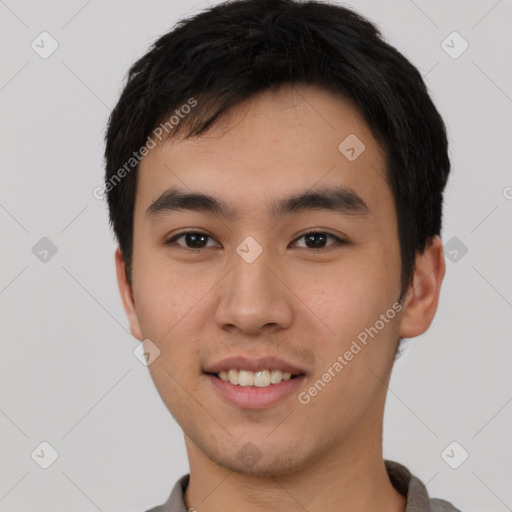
column 339, row 199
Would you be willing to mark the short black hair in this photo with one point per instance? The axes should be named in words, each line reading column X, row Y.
column 228, row 53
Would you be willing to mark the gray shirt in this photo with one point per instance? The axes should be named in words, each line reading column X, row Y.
column 403, row 481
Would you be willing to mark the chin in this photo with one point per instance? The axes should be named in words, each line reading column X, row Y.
column 251, row 461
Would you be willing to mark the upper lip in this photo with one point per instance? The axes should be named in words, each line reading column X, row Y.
column 253, row 365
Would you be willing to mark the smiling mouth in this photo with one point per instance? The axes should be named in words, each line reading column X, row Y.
column 258, row 379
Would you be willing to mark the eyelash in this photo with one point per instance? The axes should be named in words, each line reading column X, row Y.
column 338, row 241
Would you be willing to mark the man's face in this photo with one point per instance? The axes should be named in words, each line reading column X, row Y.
column 291, row 300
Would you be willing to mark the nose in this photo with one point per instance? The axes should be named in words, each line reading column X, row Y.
column 254, row 296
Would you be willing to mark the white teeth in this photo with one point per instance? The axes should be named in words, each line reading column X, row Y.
column 233, row 377
column 261, row 379
column 245, row 378
column 276, row 376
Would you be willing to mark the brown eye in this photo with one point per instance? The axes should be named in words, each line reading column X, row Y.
column 197, row 240
column 193, row 240
column 316, row 240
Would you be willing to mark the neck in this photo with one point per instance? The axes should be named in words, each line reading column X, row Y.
column 351, row 476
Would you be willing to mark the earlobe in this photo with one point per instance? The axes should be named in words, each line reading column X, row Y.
column 127, row 298
column 420, row 303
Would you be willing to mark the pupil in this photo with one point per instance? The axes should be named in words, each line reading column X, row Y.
column 193, row 237
column 316, row 236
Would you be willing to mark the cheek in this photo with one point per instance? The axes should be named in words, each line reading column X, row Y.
column 348, row 297
column 171, row 314
column 177, row 389
column 164, row 295
column 348, row 303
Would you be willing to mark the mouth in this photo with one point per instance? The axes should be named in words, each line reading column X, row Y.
column 254, row 390
column 254, row 383
column 259, row 379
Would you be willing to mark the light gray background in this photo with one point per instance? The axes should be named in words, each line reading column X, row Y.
column 67, row 369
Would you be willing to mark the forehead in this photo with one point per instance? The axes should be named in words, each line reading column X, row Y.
column 275, row 144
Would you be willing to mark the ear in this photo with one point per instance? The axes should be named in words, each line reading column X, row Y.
column 127, row 296
column 420, row 303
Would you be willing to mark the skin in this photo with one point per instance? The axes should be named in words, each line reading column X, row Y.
column 293, row 302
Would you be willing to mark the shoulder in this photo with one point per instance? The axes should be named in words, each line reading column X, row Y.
column 438, row 505
column 175, row 502
column 418, row 499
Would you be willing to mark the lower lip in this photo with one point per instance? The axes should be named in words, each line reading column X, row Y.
column 255, row 397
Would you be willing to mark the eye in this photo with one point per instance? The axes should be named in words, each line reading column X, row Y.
column 196, row 239
column 316, row 240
